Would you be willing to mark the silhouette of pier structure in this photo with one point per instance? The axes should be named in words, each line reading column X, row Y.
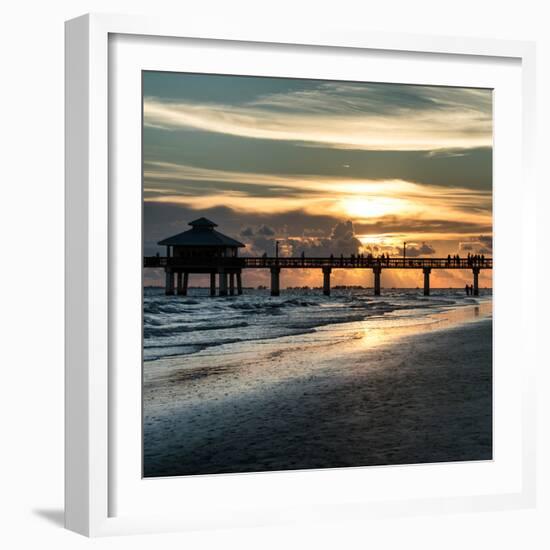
column 202, row 249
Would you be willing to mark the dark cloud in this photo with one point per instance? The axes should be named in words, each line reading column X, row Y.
column 478, row 245
column 486, row 244
column 247, row 232
column 395, row 224
column 341, row 240
column 163, row 220
column 258, row 240
column 266, row 231
column 414, row 250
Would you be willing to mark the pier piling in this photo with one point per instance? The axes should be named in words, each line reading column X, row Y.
column 426, row 271
column 182, row 283
column 185, row 283
column 377, row 272
column 275, row 273
column 239, row 283
column 212, row 284
column 223, row 283
column 476, row 280
column 326, row 280
column 169, row 283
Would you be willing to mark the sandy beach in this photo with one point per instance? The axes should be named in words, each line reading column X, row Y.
column 354, row 394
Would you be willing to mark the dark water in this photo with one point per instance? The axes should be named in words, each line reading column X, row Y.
column 179, row 326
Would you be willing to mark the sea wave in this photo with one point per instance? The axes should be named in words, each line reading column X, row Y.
column 176, row 325
column 163, row 330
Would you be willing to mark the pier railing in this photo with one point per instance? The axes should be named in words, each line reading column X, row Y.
column 305, row 263
column 214, row 263
column 362, row 262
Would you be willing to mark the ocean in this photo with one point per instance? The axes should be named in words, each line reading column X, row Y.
column 200, row 324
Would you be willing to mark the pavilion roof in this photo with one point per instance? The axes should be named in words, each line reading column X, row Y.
column 201, row 234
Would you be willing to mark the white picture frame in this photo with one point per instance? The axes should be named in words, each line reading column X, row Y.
column 91, row 398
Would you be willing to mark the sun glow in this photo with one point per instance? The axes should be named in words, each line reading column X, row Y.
column 362, row 209
column 367, row 240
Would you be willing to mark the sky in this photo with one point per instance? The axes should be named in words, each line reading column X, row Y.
column 322, row 166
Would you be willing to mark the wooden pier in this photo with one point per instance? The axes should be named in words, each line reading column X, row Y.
column 202, row 249
column 223, row 267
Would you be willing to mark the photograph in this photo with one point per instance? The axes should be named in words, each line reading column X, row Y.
column 317, row 274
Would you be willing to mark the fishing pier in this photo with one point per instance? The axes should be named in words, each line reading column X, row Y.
column 202, row 249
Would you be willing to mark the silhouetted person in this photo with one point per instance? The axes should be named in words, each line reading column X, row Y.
column 472, row 290
column 448, row 260
column 467, row 289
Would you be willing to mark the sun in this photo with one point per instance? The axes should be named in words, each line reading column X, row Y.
column 361, row 208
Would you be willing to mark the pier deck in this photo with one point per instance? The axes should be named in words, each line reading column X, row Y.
column 181, row 267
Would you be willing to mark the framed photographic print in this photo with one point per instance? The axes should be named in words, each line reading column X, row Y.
column 289, row 286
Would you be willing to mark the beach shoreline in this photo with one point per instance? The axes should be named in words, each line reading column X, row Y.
column 349, row 395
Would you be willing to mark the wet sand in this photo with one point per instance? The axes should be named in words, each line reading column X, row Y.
column 362, row 395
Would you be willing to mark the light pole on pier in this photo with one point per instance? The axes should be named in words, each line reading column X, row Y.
column 404, row 252
column 276, row 250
